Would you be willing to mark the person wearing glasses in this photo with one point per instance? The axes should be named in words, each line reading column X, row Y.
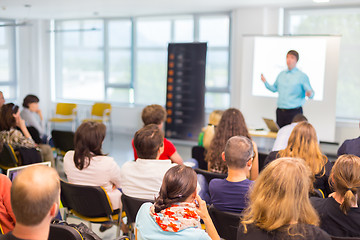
column 230, row 194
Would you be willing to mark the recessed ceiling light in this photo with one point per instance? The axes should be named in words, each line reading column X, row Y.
column 321, row 1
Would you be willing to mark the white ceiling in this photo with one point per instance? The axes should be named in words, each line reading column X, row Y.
column 52, row 9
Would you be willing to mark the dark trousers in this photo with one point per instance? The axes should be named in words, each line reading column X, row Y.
column 285, row 116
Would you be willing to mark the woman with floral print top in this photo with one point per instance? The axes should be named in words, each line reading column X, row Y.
column 177, row 211
column 9, row 120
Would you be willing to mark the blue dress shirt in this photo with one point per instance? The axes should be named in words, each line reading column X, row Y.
column 292, row 86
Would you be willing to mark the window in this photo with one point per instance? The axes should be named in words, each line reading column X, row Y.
column 125, row 60
column 339, row 21
column 7, row 60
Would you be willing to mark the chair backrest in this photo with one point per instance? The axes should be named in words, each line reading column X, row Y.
column 63, row 140
column 61, row 232
column 101, row 109
column 262, row 157
column 66, row 109
column 8, row 158
column 35, row 135
column 226, row 223
column 344, row 238
column 210, row 175
column 131, row 206
column 198, row 153
column 89, row 201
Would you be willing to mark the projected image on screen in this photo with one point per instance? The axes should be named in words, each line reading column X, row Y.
column 270, row 60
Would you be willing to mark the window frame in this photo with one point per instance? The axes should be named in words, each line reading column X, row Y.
column 335, row 9
column 134, row 51
column 11, row 46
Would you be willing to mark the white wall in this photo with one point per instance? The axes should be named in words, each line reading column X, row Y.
column 34, row 67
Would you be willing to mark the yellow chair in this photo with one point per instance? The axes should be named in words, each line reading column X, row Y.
column 101, row 112
column 65, row 112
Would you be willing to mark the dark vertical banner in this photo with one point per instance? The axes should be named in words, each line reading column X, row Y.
column 185, row 95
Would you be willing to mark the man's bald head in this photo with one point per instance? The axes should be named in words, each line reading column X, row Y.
column 238, row 151
column 33, row 193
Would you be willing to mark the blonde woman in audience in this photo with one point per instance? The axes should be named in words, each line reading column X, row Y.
column 303, row 143
column 279, row 205
column 177, row 210
column 88, row 165
column 340, row 214
column 208, row 132
column 232, row 123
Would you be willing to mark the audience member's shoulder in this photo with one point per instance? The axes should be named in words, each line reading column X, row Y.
column 316, row 233
column 9, row 236
column 318, row 202
column 216, row 181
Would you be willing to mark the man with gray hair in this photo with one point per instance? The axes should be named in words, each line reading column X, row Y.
column 230, row 194
column 35, row 198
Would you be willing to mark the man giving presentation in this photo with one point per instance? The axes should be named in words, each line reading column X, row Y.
column 293, row 85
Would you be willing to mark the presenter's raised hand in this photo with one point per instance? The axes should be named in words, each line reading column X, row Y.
column 263, row 78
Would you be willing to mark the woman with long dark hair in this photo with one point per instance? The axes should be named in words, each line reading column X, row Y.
column 88, row 165
column 10, row 120
column 177, row 210
column 232, row 123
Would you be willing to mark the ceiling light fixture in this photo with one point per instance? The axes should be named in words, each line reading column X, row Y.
column 321, row 1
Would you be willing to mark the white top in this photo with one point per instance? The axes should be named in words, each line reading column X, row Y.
column 282, row 137
column 102, row 171
column 143, row 178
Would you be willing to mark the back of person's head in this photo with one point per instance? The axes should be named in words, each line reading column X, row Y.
column 294, row 53
column 215, row 116
column 178, row 184
column 238, row 151
column 7, row 119
column 280, row 196
column 303, row 144
column 147, row 141
column 153, row 114
column 299, row 118
column 232, row 123
column 88, row 143
column 30, row 99
column 345, row 179
column 33, row 193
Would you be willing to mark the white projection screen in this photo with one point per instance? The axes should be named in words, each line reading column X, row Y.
column 318, row 58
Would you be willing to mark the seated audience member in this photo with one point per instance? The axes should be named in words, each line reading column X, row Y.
column 279, row 205
column 340, row 214
column 208, row 132
column 33, row 116
column 303, row 144
column 156, row 114
column 88, row 165
column 35, row 198
column 230, row 194
column 142, row 178
column 2, row 99
column 10, row 119
column 7, row 218
column 283, row 134
column 175, row 213
column 350, row 146
column 232, row 123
